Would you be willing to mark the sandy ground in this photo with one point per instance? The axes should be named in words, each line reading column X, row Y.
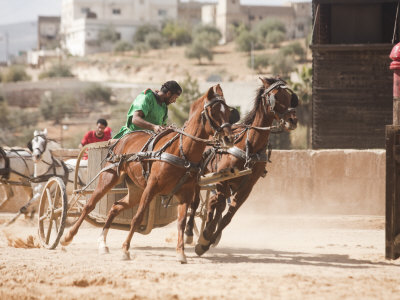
column 259, row 257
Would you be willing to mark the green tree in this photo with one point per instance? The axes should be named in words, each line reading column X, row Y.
column 293, row 49
column 123, row 46
column 57, row 71
column 282, row 65
column 155, row 40
column 143, row 31
column 198, row 50
column 15, row 73
column 268, row 25
column 140, row 48
column 108, row 34
column 246, row 40
column 176, row 34
column 260, row 62
column 274, row 38
column 56, row 107
column 97, row 93
column 190, row 93
column 208, row 35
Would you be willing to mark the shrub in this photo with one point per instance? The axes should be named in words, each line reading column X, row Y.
column 97, row 92
column 198, row 50
column 207, row 35
column 293, row 49
column 56, row 107
column 56, row 71
column 15, row 73
column 275, row 38
column 268, row 25
column 108, row 34
column 123, row 46
column 155, row 40
column 245, row 40
column 282, row 65
column 260, row 62
column 176, row 34
column 143, row 31
column 141, row 47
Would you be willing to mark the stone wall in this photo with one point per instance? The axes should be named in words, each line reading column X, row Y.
column 322, row 181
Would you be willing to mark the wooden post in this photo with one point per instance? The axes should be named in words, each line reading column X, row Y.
column 392, row 230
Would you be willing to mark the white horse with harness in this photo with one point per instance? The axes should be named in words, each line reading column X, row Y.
column 47, row 166
column 16, row 169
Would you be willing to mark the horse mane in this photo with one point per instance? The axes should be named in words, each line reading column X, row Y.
column 249, row 118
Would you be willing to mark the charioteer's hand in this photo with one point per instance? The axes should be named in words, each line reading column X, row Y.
column 157, row 129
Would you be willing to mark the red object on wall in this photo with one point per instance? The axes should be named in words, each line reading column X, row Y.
column 395, row 65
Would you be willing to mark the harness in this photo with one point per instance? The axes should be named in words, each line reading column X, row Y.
column 7, row 170
column 147, row 155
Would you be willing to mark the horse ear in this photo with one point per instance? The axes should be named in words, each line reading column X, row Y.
column 45, row 131
column 218, row 90
column 35, row 133
column 265, row 83
column 210, row 93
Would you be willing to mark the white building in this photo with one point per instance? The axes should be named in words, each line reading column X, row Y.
column 82, row 20
column 296, row 16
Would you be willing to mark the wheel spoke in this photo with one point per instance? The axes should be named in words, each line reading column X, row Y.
column 57, row 211
column 49, row 230
column 55, row 224
column 49, row 198
column 57, row 195
column 44, row 217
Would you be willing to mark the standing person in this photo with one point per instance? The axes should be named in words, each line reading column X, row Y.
column 149, row 110
column 102, row 133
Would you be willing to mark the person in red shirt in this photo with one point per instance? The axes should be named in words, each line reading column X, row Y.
column 102, row 133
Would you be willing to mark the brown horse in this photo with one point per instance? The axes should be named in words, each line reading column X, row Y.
column 274, row 101
column 209, row 116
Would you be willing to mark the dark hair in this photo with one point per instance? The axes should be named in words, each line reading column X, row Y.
column 171, row 86
column 102, row 122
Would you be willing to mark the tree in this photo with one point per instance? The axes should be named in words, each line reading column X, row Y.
column 274, row 38
column 260, row 62
column 108, row 34
column 176, row 34
column 282, row 65
column 123, row 46
column 246, row 40
column 208, row 35
column 143, row 31
column 293, row 49
column 154, row 40
column 190, row 93
column 56, row 70
column 198, row 50
column 97, row 93
column 15, row 73
column 268, row 25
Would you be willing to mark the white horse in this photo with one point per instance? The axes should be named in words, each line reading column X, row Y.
column 47, row 166
column 16, row 169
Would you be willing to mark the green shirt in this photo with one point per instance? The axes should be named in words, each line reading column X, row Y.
column 153, row 112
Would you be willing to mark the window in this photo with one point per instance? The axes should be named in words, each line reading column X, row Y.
column 300, row 27
column 251, row 17
column 162, row 12
column 85, row 10
column 116, row 11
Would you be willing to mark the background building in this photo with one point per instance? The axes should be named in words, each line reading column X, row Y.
column 82, row 20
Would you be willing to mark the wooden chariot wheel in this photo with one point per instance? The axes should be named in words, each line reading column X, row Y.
column 53, row 208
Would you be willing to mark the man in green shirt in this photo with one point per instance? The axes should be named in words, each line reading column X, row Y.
column 150, row 109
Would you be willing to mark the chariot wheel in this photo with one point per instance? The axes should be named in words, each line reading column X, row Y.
column 52, row 213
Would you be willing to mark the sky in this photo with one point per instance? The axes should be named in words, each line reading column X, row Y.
column 15, row 11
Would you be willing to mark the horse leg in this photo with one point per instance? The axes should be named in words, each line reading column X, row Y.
column 239, row 199
column 190, row 223
column 180, row 247
column 106, row 181
column 115, row 210
column 145, row 200
column 7, row 191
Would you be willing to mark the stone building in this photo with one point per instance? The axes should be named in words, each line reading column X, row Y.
column 82, row 20
column 48, row 32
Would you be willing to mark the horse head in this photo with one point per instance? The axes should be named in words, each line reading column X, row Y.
column 217, row 117
column 41, row 145
column 280, row 100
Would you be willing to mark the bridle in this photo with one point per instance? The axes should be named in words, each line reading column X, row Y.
column 43, row 146
column 271, row 101
column 206, row 116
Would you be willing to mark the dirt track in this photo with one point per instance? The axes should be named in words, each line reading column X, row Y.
column 259, row 257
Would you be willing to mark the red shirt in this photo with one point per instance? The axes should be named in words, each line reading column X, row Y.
column 90, row 137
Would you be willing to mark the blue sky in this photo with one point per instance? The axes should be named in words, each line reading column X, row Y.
column 15, row 11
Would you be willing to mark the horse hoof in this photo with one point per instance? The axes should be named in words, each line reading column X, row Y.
column 200, row 249
column 64, row 242
column 216, row 242
column 104, row 250
column 188, row 239
column 126, row 255
column 181, row 257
